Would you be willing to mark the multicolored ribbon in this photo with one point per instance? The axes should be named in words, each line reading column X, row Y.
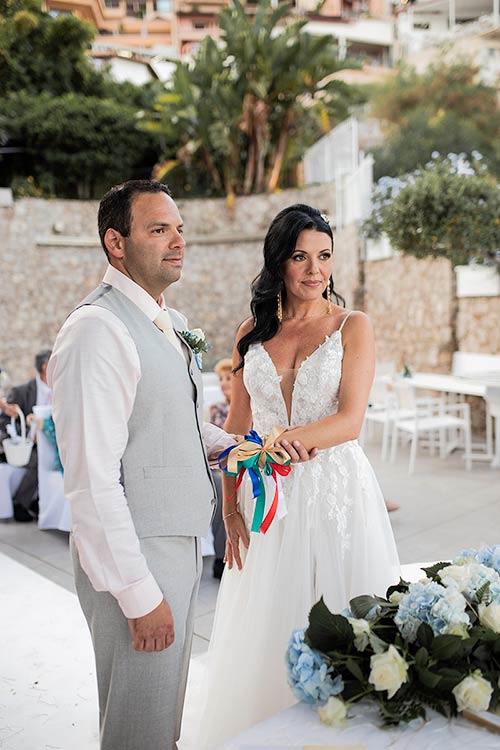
column 258, row 456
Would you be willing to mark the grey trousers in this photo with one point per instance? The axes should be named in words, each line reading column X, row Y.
column 141, row 695
column 218, row 528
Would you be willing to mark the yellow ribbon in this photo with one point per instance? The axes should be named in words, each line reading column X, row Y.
column 248, row 449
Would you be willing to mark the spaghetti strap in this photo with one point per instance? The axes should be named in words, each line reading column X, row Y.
column 343, row 322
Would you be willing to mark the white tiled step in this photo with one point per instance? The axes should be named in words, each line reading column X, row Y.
column 48, row 695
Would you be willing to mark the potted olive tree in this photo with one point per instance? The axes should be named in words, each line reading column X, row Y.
column 450, row 209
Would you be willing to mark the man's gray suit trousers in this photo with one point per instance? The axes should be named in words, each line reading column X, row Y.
column 141, row 695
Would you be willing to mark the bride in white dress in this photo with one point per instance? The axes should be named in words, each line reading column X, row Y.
column 307, row 365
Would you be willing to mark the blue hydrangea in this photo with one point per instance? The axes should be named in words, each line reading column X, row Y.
column 309, row 677
column 472, row 577
column 478, row 579
column 443, row 609
column 486, row 555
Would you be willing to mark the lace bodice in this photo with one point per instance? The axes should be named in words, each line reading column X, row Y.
column 315, row 391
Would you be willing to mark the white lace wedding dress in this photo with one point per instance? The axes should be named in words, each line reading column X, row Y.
column 336, row 541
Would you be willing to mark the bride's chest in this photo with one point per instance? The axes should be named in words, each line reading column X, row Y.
column 316, row 381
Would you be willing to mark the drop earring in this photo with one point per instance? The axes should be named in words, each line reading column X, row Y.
column 279, row 312
column 329, row 295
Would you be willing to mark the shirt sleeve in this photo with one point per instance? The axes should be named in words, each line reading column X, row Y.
column 216, row 440
column 94, row 371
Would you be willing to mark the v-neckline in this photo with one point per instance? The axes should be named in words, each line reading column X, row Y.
column 297, row 371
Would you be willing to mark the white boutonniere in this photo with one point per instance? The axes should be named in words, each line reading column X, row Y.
column 197, row 342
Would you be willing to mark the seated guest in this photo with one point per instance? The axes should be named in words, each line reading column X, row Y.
column 218, row 415
column 35, row 392
column 220, row 410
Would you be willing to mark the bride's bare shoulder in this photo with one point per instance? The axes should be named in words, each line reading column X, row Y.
column 245, row 328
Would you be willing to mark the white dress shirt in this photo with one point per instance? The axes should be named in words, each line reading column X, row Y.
column 93, row 373
column 43, row 392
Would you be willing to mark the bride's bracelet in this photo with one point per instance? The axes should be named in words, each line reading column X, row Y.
column 233, row 513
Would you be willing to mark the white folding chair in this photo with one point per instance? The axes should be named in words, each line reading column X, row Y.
column 381, row 406
column 431, row 417
column 493, row 401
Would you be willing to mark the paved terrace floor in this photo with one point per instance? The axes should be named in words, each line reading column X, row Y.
column 43, row 694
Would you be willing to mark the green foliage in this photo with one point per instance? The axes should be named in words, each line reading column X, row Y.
column 444, row 109
column 247, row 107
column 446, row 210
column 41, row 53
column 325, row 628
column 66, row 128
column 75, row 145
column 26, row 187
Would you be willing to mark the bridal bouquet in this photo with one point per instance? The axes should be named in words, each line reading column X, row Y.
column 435, row 643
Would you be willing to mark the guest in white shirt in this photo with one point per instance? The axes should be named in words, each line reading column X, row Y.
column 35, row 392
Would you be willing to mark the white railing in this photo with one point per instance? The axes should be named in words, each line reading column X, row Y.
column 354, row 193
column 336, row 159
column 335, row 154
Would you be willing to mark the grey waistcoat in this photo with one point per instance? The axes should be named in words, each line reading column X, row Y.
column 165, row 473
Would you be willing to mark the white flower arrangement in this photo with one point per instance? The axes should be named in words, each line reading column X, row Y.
column 434, row 643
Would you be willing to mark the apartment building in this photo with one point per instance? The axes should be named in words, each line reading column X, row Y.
column 362, row 26
column 429, row 30
column 123, row 23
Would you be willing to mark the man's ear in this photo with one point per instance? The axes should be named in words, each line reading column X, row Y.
column 115, row 243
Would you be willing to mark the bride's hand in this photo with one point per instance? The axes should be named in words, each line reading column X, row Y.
column 235, row 531
column 291, row 441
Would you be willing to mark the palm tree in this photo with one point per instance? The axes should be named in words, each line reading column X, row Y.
column 244, row 104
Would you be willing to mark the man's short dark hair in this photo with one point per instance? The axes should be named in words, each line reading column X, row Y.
column 41, row 359
column 115, row 208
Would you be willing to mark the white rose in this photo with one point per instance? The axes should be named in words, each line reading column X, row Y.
column 474, row 693
column 455, row 575
column 396, row 597
column 489, row 616
column 333, row 713
column 361, row 632
column 388, row 671
column 198, row 333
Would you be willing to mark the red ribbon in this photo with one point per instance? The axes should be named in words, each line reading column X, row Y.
column 283, row 471
column 275, row 469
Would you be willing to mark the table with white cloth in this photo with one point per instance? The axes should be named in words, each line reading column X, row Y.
column 299, row 728
column 461, row 386
column 10, row 479
column 54, row 509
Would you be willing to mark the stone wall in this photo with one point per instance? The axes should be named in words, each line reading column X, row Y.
column 409, row 303
column 50, row 258
column 478, row 324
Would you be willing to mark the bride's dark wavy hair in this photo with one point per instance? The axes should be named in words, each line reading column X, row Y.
column 279, row 244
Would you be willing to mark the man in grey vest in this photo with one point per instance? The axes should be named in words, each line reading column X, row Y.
column 127, row 405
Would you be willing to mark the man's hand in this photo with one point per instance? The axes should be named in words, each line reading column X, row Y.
column 154, row 631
